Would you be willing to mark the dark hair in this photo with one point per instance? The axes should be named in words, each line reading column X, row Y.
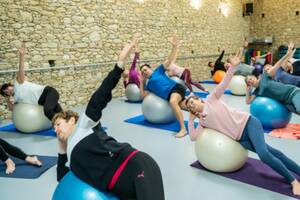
column 4, row 87
column 189, row 98
column 66, row 115
column 209, row 63
column 145, row 64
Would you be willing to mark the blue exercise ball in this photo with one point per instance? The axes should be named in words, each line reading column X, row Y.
column 72, row 188
column 271, row 113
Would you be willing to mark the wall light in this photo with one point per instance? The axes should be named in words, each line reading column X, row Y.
column 195, row 4
column 224, row 8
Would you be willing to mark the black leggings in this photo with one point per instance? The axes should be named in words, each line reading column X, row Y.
column 49, row 99
column 8, row 149
column 141, row 180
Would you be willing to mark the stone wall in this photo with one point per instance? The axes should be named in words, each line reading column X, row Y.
column 280, row 20
column 92, row 31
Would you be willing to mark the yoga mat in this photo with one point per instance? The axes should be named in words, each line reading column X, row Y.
column 140, row 120
column 256, row 173
column 27, row 171
column 209, row 81
column 12, row 128
column 127, row 101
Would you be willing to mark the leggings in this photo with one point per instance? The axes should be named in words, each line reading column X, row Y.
column 141, row 179
column 296, row 101
column 133, row 76
column 253, row 140
column 8, row 149
column 186, row 76
column 49, row 100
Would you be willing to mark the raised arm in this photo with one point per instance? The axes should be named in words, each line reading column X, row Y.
column 194, row 132
column 103, row 95
column 173, row 55
column 21, row 72
column 61, row 168
column 279, row 63
column 136, row 55
column 249, row 96
column 232, row 64
column 220, row 57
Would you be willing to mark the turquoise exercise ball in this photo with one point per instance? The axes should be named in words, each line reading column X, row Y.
column 72, row 188
column 271, row 113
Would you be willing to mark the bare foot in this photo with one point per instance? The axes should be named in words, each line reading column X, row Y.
column 10, row 166
column 33, row 160
column 181, row 133
column 296, row 187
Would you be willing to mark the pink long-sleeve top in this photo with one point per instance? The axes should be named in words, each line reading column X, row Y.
column 175, row 70
column 217, row 115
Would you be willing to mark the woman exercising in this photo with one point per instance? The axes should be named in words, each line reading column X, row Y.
column 133, row 75
column 164, row 87
column 185, row 75
column 23, row 91
column 7, row 149
column 240, row 126
column 288, row 95
column 99, row 159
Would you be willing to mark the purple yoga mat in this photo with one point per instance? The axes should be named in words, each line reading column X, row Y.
column 256, row 173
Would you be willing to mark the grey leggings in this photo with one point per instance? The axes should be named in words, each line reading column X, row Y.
column 253, row 140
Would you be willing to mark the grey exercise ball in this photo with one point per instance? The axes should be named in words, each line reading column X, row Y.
column 218, row 152
column 178, row 80
column 237, row 85
column 30, row 118
column 157, row 110
column 133, row 92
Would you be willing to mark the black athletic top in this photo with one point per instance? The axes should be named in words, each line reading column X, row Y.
column 95, row 156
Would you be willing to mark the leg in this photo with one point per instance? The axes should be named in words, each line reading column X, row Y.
column 186, row 76
column 255, row 134
column 103, row 95
column 51, row 106
column 175, row 99
column 11, row 150
column 290, row 164
column 198, row 85
column 141, row 179
column 296, row 102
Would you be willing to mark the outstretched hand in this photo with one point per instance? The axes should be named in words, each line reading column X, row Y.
column 291, row 47
column 174, row 40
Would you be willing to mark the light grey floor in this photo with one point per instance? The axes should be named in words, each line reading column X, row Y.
column 173, row 156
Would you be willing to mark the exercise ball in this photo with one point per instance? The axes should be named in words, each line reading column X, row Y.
column 259, row 67
column 218, row 152
column 271, row 113
column 133, row 92
column 29, row 118
column 237, row 85
column 179, row 81
column 72, row 188
column 157, row 110
column 218, row 76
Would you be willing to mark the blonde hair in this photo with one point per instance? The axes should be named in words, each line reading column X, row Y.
column 66, row 115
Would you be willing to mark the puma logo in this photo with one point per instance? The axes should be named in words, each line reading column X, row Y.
column 141, row 175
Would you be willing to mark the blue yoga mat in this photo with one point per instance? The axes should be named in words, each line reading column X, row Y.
column 134, row 102
column 205, row 94
column 27, row 171
column 140, row 120
column 12, row 128
column 209, row 81
column 50, row 132
column 174, row 126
